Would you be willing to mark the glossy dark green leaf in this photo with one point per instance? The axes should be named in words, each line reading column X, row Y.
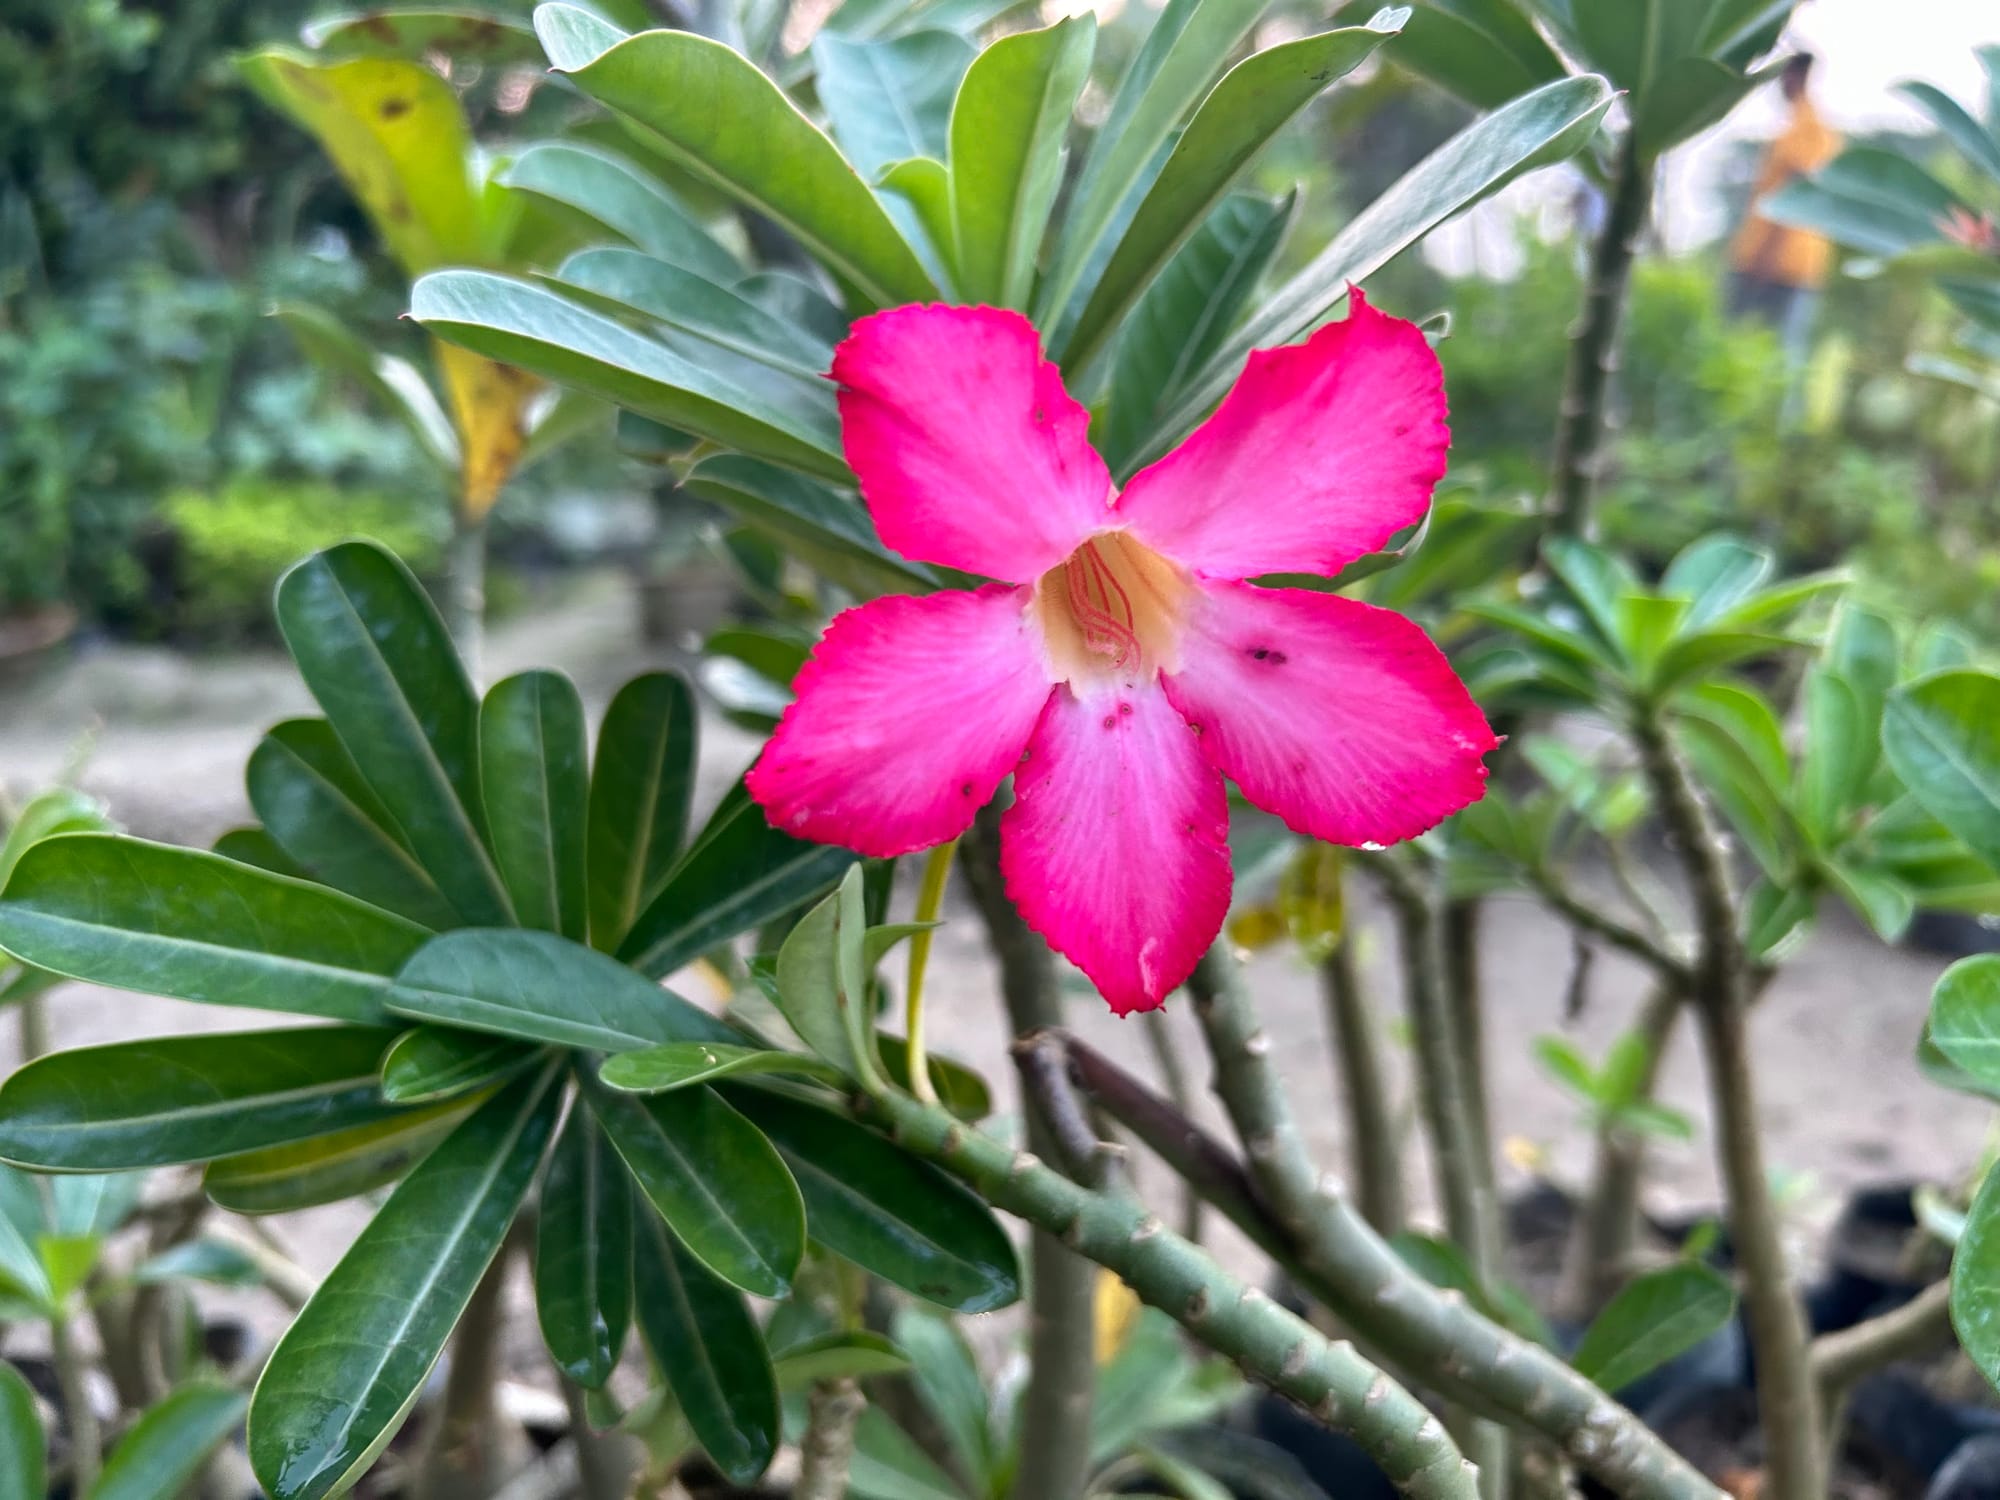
column 828, row 531
column 255, row 846
column 711, row 1351
column 436, row 1062
column 372, row 648
column 1547, row 125
column 814, row 997
column 538, row 987
column 1008, row 125
column 310, row 795
column 738, row 874
column 715, row 1179
column 561, row 339
column 855, row 1354
column 24, row 1447
column 1252, row 103
column 888, row 101
column 191, row 1098
column 534, row 776
column 166, row 921
column 1186, row 312
column 328, row 1168
column 1942, row 736
column 583, row 1254
column 679, row 1065
column 639, row 791
column 352, row 1364
column 1657, row 1317
column 711, row 112
column 612, row 192
column 876, row 1205
column 170, row 1442
column 1484, row 51
column 1975, row 1280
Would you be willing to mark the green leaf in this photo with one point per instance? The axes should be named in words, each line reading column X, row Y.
column 191, row 1098
column 1184, row 314
column 830, row 533
column 572, row 35
column 166, row 921
column 813, row 996
column 919, row 199
column 946, row 1376
column 1257, row 98
column 639, row 791
column 538, row 329
column 959, row 1088
column 372, row 648
column 1882, row 901
column 170, row 1442
column 436, row 1062
column 887, row 101
column 1840, row 751
column 583, row 1254
column 1484, row 51
column 353, row 1363
column 711, row 112
column 889, row 1465
column 1715, row 574
column 24, row 1447
column 328, row 1168
column 870, row 1202
column 1868, row 199
column 534, row 778
column 1569, row 1067
column 712, row 1353
column 1187, row 46
column 1965, row 1016
column 852, row 1353
column 677, row 1065
column 1981, row 146
column 1975, row 1280
column 1657, row 1317
column 1733, row 737
column 310, row 796
column 209, row 1261
column 715, row 1179
column 739, row 873
column 538, row 987
column 614, row 193
column 1942, row 737
column 1008, row 125
column 1534, row 130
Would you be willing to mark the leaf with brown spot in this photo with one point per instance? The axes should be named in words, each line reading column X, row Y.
column 489, row 403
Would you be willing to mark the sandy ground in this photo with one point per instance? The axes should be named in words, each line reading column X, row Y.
column 1843, row 1103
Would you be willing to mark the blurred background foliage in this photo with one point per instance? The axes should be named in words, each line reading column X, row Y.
column 165, row 448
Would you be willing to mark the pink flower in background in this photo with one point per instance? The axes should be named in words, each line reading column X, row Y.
column 1128, row 665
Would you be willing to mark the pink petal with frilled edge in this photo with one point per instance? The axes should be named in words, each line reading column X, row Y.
column 1343, row 719
column 1116, row 846
column 969, row 451
column 1320, row 453
column 910, row 712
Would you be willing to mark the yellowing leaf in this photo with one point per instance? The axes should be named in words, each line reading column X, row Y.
column 1114, row 1309
column 489, row 404
column 399, row 141
column 1312, row 901
column 1256, row 927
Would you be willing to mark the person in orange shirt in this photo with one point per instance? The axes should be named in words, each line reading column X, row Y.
column 1776, row 270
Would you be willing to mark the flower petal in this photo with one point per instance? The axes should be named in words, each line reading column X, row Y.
column 969, row 451
column 909, row 715
column 1116, row 847
column 1320, row 452
column 1343, row 719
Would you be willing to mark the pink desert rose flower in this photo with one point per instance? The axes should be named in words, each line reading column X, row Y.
column 1128, row 664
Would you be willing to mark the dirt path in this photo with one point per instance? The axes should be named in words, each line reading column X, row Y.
column 1843, row 1102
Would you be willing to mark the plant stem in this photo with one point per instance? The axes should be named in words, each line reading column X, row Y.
column 465, row 587
column 606, row 1462
column 1724, row 985
column 1055, row 1407
column 1841, row 1360
column 1317, row 1235
column 86, row 1439
column 34, row 1023
column 1372, row 1141
column 1593, row 345
column 471, row 1446
column 1274, row 1347
column 930, row 899
column 1174, row 1077
column 1599, row 1254
column 828, row 1445
column 1458, row 933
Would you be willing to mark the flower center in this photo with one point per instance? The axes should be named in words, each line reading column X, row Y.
column 1112, row 611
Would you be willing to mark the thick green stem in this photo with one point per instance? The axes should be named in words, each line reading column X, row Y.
column 1598, row 1258
column 1274, row 1347
column 827, row 1448
column 1373, row 1144
column 1316, row 1234
column 86, row 1439
column 1458, row 933
column 1724, row 984
column 1593, row 345
column 1841, row 1360
column 464, row 602
column 1055, row 1407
